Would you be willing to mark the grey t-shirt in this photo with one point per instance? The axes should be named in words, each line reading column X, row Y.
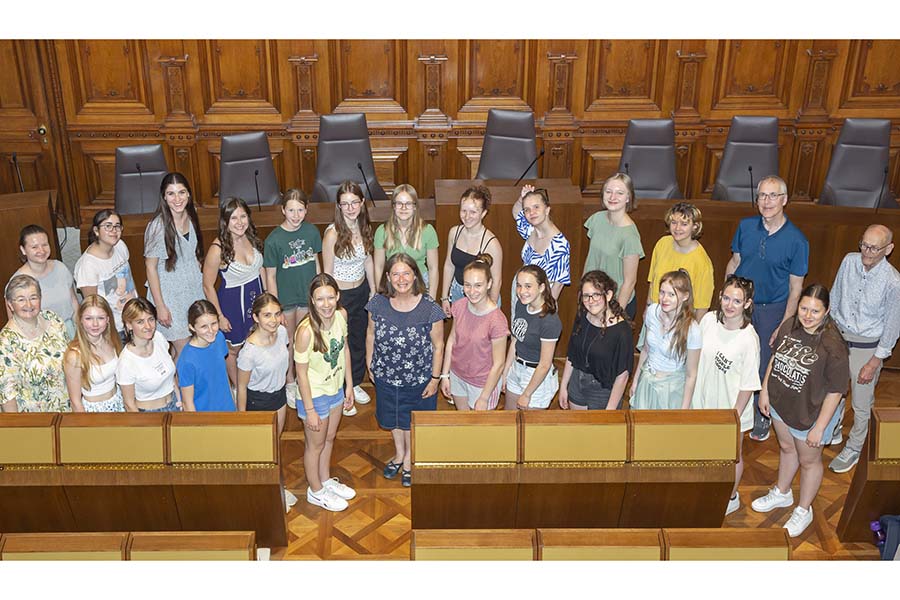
column 531, row 329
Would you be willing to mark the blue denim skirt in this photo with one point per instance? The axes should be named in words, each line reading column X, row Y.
column 393, row 404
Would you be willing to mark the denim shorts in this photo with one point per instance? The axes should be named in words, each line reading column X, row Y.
column 174, row 405
column 322, row 404
column 585, row 390
column 520, row 376
column 799, row 434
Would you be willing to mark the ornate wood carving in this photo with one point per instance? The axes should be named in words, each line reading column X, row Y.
column 369, row 76
column 433, row 115
column 872, row 76
column 690, row 68
column 560, row 92
column 753, row 74
column 178, row 111
column 493, row 75
column 239, row 78
column 111, row 77
column 306, row 90
column 816, row 88
column 625, row 75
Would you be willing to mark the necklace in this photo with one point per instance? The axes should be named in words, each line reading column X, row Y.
column 30, row 332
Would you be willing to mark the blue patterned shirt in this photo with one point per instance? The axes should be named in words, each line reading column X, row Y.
column 555, row 259
column 403, row 351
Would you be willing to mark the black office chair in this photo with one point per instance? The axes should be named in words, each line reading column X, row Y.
column 246, row 162
column 139, row 172
column 344, row 143
column 648, row 156
column 752, row 141
column 856, row 175
column 509, row 146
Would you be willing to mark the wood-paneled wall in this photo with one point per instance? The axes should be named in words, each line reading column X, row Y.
column 426, row 102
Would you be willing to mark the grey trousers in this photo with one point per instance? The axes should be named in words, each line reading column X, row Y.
column 862, row 397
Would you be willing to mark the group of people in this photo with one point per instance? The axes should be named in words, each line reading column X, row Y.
column 299, row 319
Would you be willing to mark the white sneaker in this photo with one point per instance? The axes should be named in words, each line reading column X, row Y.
column 361, row 396
column 339, row 489
column 799, row 521
column 292, row 392
column 349, row 412
column 733, row 505
column 326, row 499
column 774, row 499
column 289, row 499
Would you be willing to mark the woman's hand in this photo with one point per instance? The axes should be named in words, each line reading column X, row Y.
column 526, row 189
column 445, row 305
column 523, row 401
column 445, row 387
column 563, row 398
column 481, row 403
column 814, row 437
column 764, row 403
column 349, row 398
column 313, row 422
column 633, row 389
column 430, row 389
column 164, row 315
column 225, row 326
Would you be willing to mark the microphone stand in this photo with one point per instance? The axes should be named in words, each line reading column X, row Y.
column 137, row 167
column 531, row 164
column 15, row 160
column 881, row 191
column 366, row 182
column 752, row 195
column 256, row 183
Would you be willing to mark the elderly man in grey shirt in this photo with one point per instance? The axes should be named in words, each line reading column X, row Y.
column 865, row 304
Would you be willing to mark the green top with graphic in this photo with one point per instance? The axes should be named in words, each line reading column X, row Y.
column 293, row 255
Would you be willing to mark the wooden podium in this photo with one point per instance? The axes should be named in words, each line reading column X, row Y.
column 875, row 489
column 573, row 468
column 681, row 468
column 464, row 470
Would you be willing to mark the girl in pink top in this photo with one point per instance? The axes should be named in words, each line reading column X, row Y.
column 476, row 348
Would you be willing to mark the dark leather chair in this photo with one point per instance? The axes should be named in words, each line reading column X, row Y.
column 139, row 172
column 752, row 141
column 243, row 155
column 344, row 142
column 648, row 156
column 509, row 146
column 856, row 172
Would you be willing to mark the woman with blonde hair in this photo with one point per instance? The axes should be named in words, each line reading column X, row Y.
column 405, row 231
column 667, row 368
column 91, row 359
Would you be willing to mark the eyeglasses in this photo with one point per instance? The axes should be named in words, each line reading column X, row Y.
column 404, row 205
column 110, row 227
column 402, row 275
column 350, row 204
column 595, row 297
column 764, row 196
column 864, row 247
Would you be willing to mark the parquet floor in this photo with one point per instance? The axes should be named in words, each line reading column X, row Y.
column 376, row 526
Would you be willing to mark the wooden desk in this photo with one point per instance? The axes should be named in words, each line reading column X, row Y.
column 63, row 546
column 727, row 544
column 875, row 488
column 17, row 211
column 472, row 544
column 192, row 545
column 600, row 544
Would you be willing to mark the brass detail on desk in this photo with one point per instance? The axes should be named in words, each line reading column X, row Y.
column 115, row 466
column 31, row 467
column 468, row 465
column 682, row 463
column 886, row 462
column 221, row 466
column 587, row 464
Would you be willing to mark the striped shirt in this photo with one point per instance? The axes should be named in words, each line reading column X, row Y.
column 865, row 303
column 555, row 259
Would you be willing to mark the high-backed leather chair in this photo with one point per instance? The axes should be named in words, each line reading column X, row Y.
column 344, row 142
column 245, row 163
column 857, row 167
column 139, row 172
column 648, row 156
column 752, row 141
column 509, row 146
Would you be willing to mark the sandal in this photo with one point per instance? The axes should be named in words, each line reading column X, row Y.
column 406, row 478
column 391, row 469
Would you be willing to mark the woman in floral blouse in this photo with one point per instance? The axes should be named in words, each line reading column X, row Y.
column 32, row 344
column 404, row 350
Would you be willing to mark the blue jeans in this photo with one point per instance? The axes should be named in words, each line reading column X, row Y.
column 766, row 319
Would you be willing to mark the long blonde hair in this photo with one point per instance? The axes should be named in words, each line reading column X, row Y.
column 392, row 233
column 82, row 345
column 684, row 316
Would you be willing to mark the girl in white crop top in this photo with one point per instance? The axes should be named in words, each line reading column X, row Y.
column 348, row 242
column 92, row 358
column 146, row 373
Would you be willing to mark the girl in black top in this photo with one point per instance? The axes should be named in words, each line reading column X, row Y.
column 600, row 356
column 466, row 241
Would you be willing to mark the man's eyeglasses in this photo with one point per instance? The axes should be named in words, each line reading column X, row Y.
column 764, row 196
column 864, row 247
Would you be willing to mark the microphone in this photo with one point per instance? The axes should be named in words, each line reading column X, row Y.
column 256, row 183
column 15, row 160
column 626, row 170
column 752, row 195
column 137, row 167
column 881, row 191
column 366, row 182
column 531, row 164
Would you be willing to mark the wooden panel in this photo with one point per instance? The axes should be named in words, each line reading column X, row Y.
column 483, row 544
column 727, row 544
column 28, row 438
column 753, row 74
column 625, row 75
column 15, row 89
column 109, row 77
column 115, row 438
column 873, row 75
column 600, row 544
column 370, row 76
column 238, row 77
column 190, row 545
column 462, row 437
column 64, row 546
column 494, row 74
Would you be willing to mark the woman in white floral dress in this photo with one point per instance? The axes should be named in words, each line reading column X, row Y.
column 32, row 344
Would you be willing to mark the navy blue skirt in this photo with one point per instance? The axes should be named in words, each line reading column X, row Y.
column 393, row 404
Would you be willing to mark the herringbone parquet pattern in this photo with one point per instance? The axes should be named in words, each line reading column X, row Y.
column 377, row 523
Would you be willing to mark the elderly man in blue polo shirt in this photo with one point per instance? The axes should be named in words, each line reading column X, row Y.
column 774, row 253
column 865, row 305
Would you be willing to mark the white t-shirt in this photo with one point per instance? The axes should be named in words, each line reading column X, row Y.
column 661, row 357
column 729, row 364
column 154, row 376
column 111, row 276
column 267, row 364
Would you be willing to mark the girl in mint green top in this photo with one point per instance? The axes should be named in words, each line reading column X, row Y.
column 406, row 232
